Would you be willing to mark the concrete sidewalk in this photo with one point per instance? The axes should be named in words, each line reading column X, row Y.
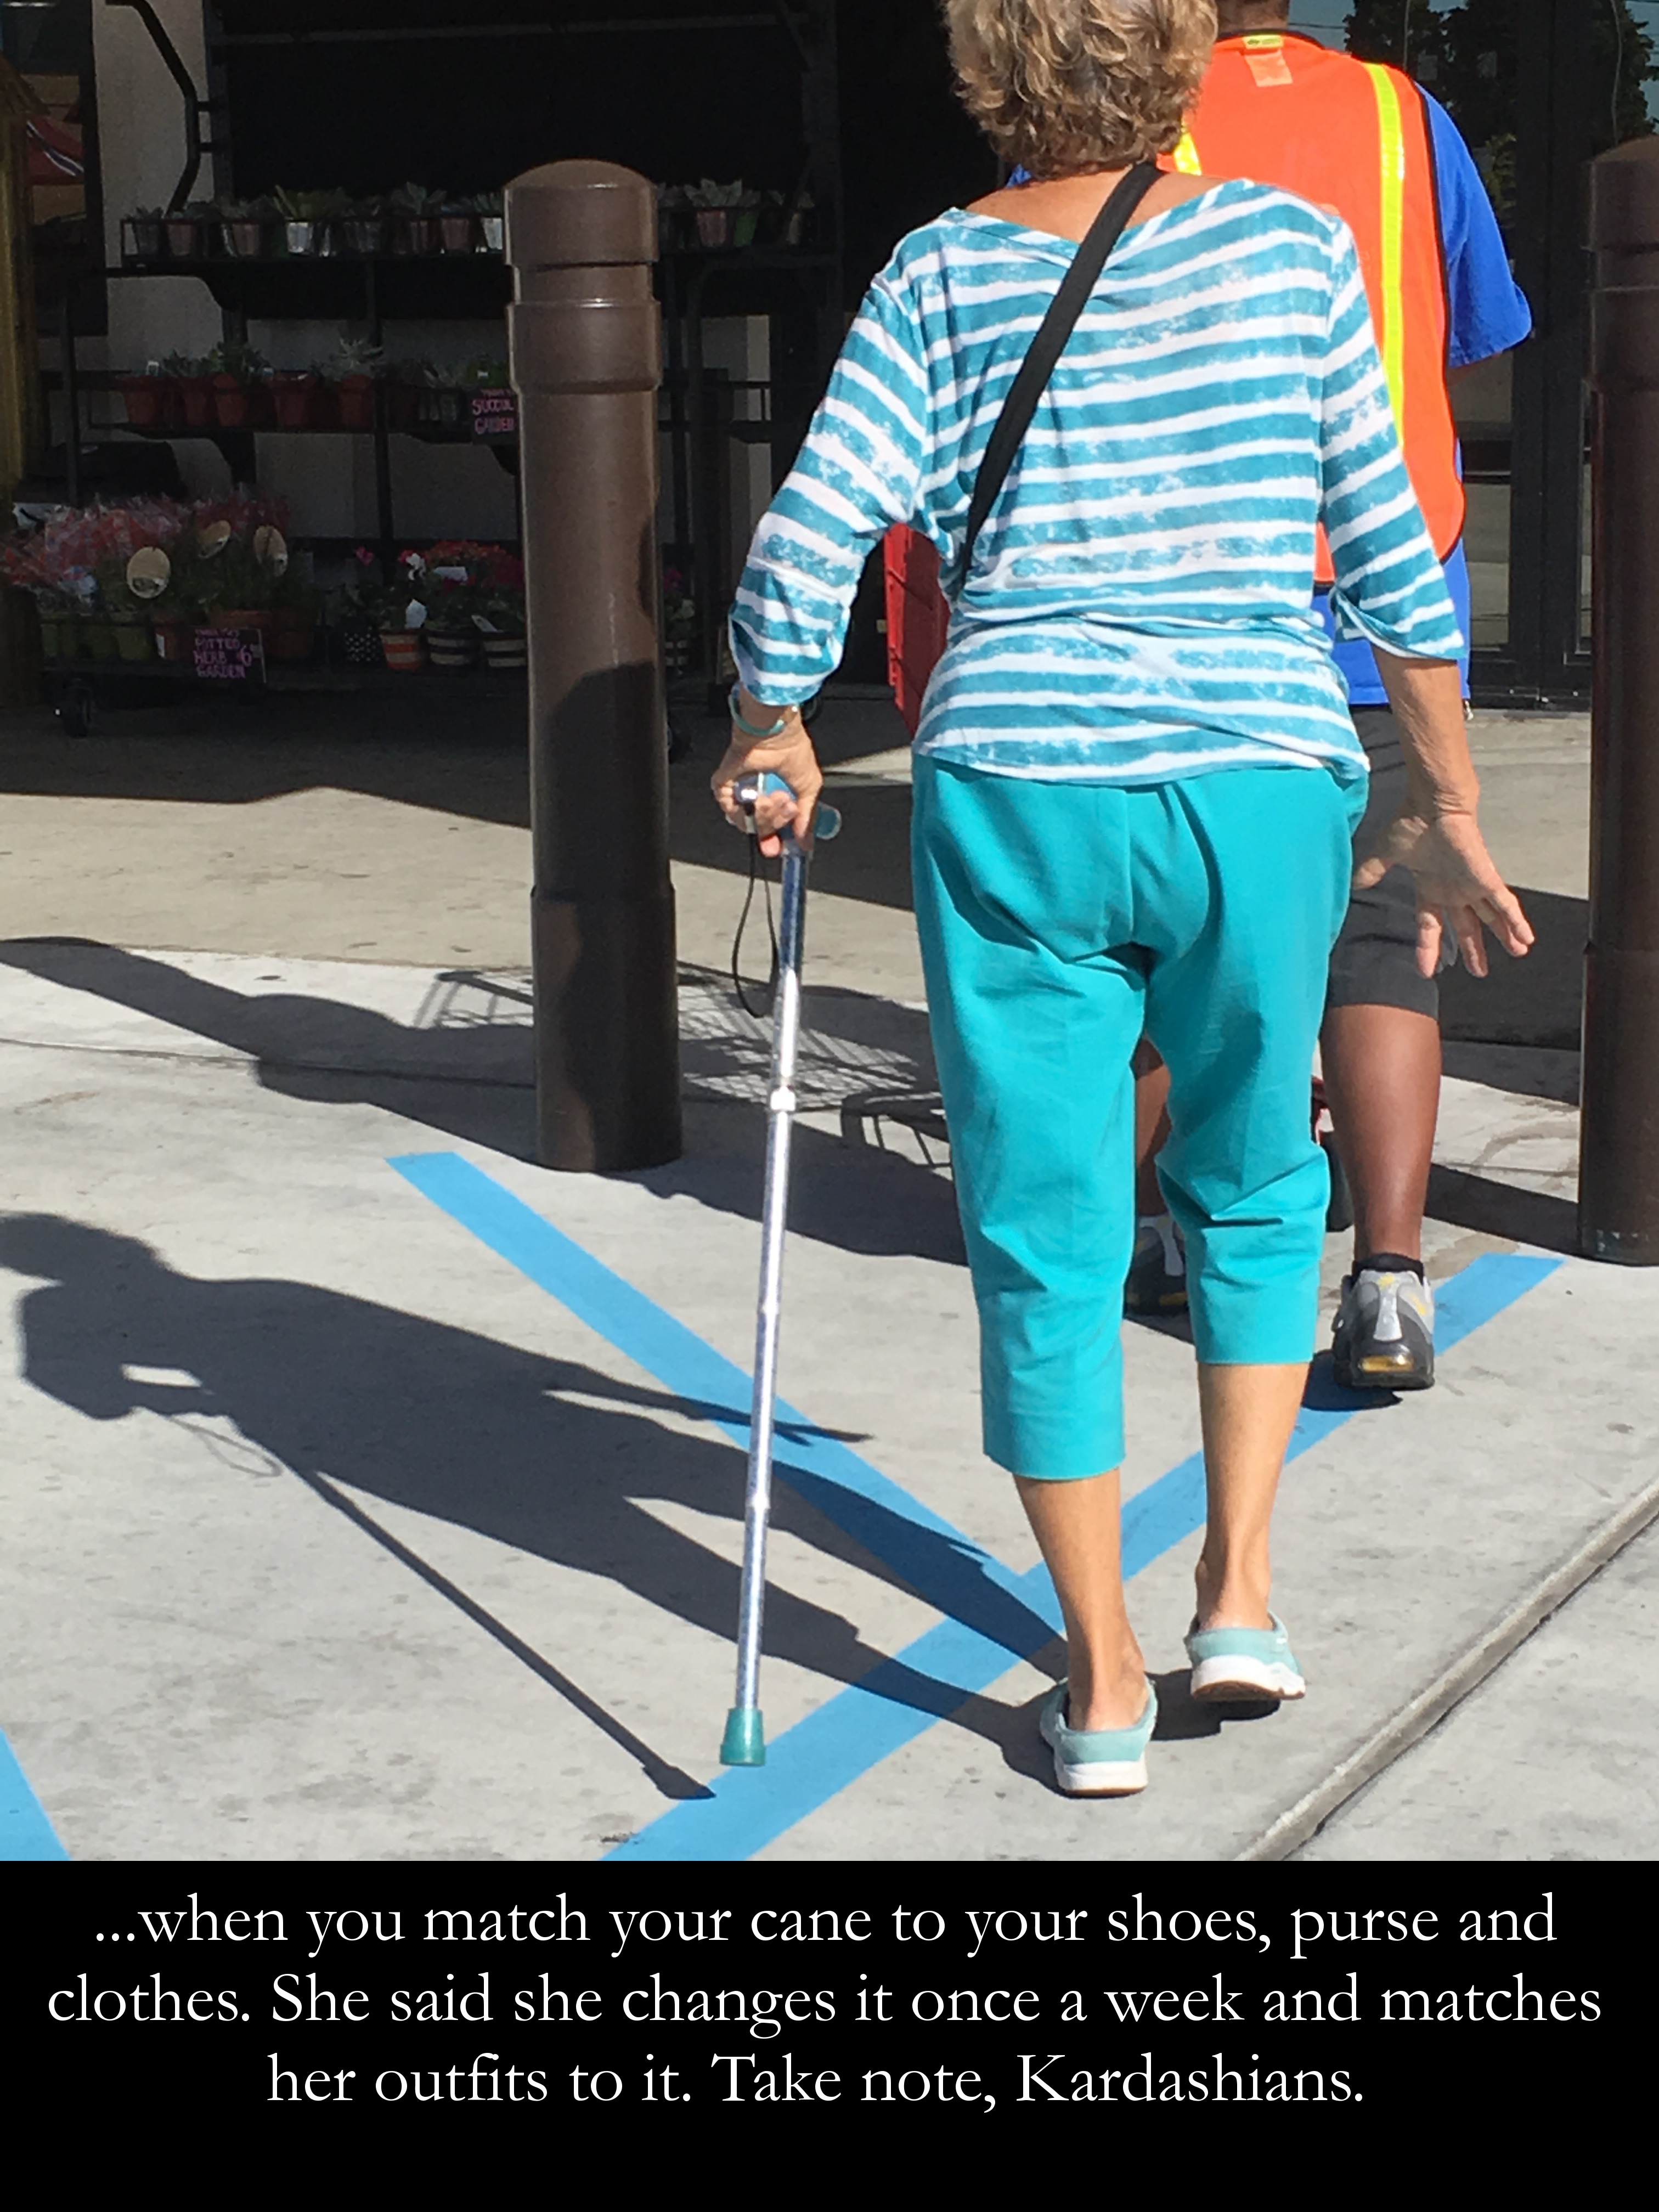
column 373, row 1492
column 330, row 1534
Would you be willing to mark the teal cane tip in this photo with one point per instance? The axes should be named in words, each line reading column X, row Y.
column 743, row 1743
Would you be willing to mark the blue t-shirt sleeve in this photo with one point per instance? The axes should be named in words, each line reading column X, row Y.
column 1489, row 311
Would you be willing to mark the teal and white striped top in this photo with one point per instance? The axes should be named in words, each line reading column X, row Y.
column 1140, row 602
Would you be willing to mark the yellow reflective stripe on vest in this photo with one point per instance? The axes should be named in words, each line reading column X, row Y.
column 1185, row 156
column 1391, row 138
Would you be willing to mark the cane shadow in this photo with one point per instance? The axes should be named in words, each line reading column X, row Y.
column 363, row 1402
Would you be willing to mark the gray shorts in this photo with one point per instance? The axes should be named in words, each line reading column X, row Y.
column 1374, row 960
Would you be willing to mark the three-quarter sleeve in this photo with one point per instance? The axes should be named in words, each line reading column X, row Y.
column 1390, row 588
column 858, row 473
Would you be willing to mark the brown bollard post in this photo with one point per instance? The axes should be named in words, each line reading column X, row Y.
column 585, row 337
column 1619, row 1163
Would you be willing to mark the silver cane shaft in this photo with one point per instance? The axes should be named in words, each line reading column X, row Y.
column 757, row 1505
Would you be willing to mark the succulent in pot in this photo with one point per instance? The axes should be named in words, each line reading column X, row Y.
column 187, row 230
column 145, row 235
column 419, row 212
column 363, row 228
column 457, row 231
column 294, row 396
column 240, row 396
column 192, row 381
column 353, row 371
column 492, row 223
column 308, row 220
column 245, row 227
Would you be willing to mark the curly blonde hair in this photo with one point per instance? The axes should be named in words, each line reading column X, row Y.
column 1061, row 86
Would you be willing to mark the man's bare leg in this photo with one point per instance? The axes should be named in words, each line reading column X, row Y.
column 1382, row 1069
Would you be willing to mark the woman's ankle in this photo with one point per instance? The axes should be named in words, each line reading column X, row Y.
column 1109, row 1695
column 1232, row 1595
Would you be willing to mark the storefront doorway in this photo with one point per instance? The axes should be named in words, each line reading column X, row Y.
column 1538, row 87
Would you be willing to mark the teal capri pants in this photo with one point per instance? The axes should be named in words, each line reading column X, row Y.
column 1059, row 922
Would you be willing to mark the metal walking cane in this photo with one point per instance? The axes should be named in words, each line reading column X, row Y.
column 744, row 1741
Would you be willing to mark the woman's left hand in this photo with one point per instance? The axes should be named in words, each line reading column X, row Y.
column 789, row 755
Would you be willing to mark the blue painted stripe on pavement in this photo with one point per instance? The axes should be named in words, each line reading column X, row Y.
column 748, row 1807
column 898, row 1700
column 25, row 1830
column 937, row 1561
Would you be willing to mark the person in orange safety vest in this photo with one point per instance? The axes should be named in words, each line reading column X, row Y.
column 1363, row 140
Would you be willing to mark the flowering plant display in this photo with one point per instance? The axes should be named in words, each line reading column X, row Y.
column 220, row 553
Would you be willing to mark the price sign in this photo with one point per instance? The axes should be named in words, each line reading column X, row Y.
column 495, row 412
column 228, row 656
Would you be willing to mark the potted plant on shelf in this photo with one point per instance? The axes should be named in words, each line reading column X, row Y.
column 241, row 397
column 492, row 225
column 308, row 220
column 716, row 207
column 245, row 228
column 193, row 382
column 363, row 226
column 458, row 233
column 500, row 621
column 418, row 213
column 143, row 235
column 151, row 400
column 452, row 599
column 679, row 622
column 352, row 372
column 188, row 230
column 399, row 614
column 294, row 395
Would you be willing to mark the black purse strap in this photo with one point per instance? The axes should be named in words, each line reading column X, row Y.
column 1049, row 344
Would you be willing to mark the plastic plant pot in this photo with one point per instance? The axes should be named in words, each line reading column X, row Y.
column 355, row 398
column 504, row 656
column 145, row 400
column 244, row 240
column 360, row 646
column 364, row 234
column 715, row 226
column 494, row 228
column 290, row 634
column 456, row 234
column 742, row 230
column 293, row 396
column 143, row 238
column 133, row 642
column 305, row 239
column 452, row 648
column 186, row 238
column 420, row 234
column 233, row 403
column 196, row 397
column 402, row 648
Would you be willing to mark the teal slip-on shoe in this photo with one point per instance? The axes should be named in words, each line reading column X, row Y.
column 1244, row 1662
column 1101, row 1762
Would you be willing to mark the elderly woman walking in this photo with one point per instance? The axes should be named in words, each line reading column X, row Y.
column 1135, row 778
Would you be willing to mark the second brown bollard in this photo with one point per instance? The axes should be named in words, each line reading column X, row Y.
column 585, row 338
column 1619, row 1167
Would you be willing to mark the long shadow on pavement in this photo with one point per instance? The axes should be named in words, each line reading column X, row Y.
column 545, row 1455
column 472, row 1083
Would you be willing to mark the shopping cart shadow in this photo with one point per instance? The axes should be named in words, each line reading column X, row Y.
column 364, row 1402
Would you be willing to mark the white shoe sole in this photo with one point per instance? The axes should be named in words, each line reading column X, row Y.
column 1246, row 1678
column 1120, row 1778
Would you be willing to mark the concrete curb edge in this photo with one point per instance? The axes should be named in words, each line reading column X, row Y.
column 1300, row 1822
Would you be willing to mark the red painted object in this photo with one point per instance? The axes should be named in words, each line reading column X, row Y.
column 917, row 620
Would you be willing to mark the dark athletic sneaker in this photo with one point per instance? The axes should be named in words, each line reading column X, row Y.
column 1384, row 1334
column 1157, row 1281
